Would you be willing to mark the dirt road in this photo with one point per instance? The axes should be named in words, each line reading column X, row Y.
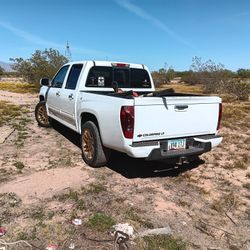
column 44, row 183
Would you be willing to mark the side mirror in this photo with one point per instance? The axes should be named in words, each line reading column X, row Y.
column 45, row 82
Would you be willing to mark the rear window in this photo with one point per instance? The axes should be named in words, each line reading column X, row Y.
column 139, row 78
column 100, row 76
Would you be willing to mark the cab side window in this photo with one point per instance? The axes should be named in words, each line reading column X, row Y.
column 74, row 74
column 57, row 82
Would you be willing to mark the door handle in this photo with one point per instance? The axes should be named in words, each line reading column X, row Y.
column 71, row 97
column 57, row 93
column 181, row 108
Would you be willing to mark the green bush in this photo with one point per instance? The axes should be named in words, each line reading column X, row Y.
column 41, row 64
column 101, row 222
column 161, row 242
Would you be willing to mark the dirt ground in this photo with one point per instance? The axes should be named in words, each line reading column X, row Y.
column 44, row 184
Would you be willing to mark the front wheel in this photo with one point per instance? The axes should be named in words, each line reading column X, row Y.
column 93, row 152
column 41, row 115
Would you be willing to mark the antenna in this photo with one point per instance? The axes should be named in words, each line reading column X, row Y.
column 68, row 52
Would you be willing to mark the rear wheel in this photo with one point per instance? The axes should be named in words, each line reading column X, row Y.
column 93, row 152
column 41, row 114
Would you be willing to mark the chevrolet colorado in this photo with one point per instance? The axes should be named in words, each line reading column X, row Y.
column 115, row 106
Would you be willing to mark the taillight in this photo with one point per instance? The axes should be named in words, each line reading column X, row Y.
column 127, row 121
column 219, row 116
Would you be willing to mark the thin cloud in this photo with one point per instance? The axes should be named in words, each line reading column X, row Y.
column 241, row 14
column 28, row 36
column 46, row 43
column 146, row 16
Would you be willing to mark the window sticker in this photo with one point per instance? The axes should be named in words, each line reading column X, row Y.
column 101, row 81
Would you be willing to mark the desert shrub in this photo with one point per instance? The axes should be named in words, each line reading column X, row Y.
column 208, row 73
column 243, row 73
column 191, row 77
column 41, row 64
column 237, row 88
column 1, row 71
column 163, row 76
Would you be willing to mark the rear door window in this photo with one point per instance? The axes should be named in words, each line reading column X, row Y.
column 74, row 74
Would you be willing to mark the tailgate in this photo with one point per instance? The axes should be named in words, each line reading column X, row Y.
column 171, row 117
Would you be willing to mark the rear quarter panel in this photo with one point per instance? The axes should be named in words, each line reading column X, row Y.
column 106, row 109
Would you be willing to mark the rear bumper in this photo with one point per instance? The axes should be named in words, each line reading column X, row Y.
column 158, row 154
column 195, row 146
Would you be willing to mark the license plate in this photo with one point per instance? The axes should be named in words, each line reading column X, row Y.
column 177, row 144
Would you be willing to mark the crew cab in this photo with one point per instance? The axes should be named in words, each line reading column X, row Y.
column 114, row 106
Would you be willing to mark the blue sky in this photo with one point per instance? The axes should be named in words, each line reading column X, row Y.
column 152, row 32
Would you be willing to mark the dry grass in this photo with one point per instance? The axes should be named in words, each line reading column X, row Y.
column 19, row 87
column 246, row 185
column 240, row 164
column 8, row 112
column 236, row 115
column 224, row 202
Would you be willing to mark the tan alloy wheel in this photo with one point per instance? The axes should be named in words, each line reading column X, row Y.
column 88, row 144
column 42, row 115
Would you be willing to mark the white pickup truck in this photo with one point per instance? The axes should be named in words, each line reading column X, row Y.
column 115, row 106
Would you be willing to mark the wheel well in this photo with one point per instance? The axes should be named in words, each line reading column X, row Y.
column 89, row 117
column 41, row 98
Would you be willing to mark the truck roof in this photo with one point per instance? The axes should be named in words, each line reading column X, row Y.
column 109, row 63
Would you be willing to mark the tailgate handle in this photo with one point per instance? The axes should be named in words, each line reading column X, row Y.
column 181, row 107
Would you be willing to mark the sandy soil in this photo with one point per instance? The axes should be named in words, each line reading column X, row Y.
column 205, row 203
column 17, row 98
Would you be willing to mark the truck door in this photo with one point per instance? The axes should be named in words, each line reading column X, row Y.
column 68, row 96
column 54, row 98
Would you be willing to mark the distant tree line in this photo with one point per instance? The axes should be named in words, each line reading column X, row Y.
column 243, row 73
column 214, row 77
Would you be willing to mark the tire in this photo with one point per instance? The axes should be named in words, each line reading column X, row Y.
column 93, row 152
column 41, row 115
